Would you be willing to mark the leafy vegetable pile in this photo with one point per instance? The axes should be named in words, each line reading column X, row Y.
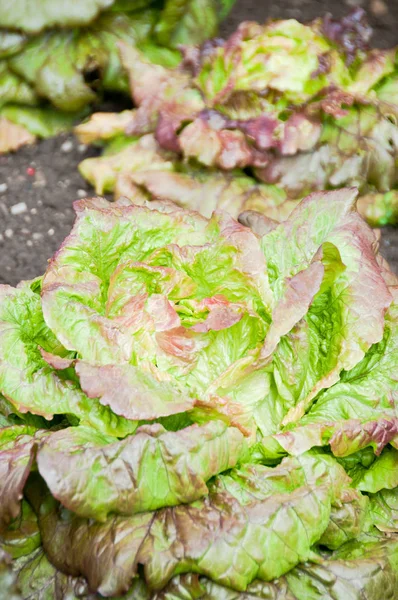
column 192, row 410
column 299, row 108
column 69, row 67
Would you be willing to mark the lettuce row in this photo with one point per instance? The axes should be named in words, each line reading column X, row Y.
column 299, row 107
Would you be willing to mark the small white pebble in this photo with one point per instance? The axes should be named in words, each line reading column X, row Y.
column 51, row 231
column 33, row 211
column 25, row 231
column 81, row 193
column 40, row 202
column 37, row 236
column 9, row 233
column 3, row 188
column 67, row 146
column 82, row 148
column 29, row 243
column 379, row 8
column 19, row 208
column 27, row 219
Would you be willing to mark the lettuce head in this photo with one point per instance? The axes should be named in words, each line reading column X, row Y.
column 193, row 408
column 299, row 108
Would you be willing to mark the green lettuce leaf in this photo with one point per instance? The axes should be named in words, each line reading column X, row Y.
column 359, row 410
column 22, row 535
column 26, row 379
column 14, row 89
column 93, row 475
column 92, row 55
column 32, row 17
column 356, row 571
column 296, row 498
column 384, row 510
column 41, row 122
column 143, row 154
column 381, row 474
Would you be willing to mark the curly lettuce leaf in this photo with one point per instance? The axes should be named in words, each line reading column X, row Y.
column 297, row 500
column 356, row 571
column 381, row 474
column 334, row 313
column 17, row 444
column 14, row 88
column 26, row 379
column 143, row 154
column 384, row 510
column 22, row 535
column 34, row 16
column 41, row 122
column 92, row 63
column 360, row 409
column 93, row 475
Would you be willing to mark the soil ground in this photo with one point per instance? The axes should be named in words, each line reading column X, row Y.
column 39, row 183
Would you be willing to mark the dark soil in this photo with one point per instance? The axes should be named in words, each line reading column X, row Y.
column 38, row 184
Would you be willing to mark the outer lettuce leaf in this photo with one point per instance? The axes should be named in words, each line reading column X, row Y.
column 206, row 191
column 358, row 148
column 41, row 122
column 186, row 22
column 360, row 409
column 93, row 475
column 13, row 136
column 22, row 535
column 356, row 571
column 143, row 154
column 14, row 89
column 32, row 17
column 239, row 546
column 381, row 474
column 7, row 578
column 103, row 126
column 165, row 97
column 37, row 579
column 300, row 369
column 90, row 52
column 26, row 379
column 17, row 445
column 384, row 510
column 132, row 392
